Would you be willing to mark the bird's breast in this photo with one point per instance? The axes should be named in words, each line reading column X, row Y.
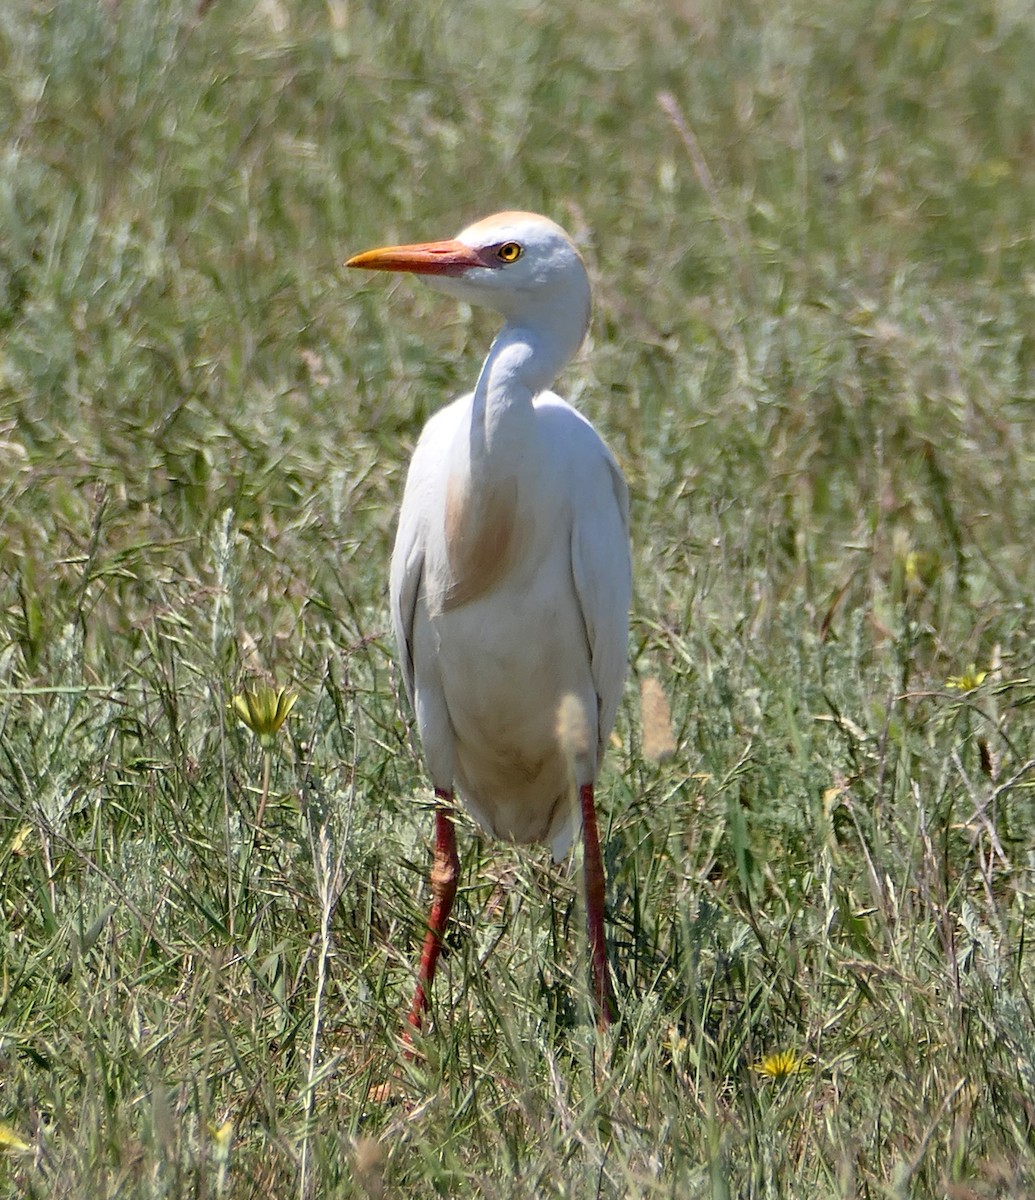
column 485, row 536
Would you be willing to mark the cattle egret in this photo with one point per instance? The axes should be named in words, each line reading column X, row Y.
column 510, row 578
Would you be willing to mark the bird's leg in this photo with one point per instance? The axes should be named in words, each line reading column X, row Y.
column 603, row 992
column 444, row 873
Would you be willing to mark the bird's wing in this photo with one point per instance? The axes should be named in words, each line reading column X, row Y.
column 411, row 538
column 603, row 580
column 406, row 574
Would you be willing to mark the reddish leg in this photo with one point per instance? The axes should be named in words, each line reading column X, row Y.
column 603, row 992
column 444, row 874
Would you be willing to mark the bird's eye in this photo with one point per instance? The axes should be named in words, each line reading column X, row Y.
column 509, row 252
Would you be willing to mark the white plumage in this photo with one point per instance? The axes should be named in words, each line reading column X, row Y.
column 510, row 579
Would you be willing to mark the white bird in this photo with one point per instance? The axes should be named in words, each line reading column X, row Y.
column 511, row 577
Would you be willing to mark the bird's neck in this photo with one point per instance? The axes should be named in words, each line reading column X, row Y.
column 487, row 495
column 523, row 361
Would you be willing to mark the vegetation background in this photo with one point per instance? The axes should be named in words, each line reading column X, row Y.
column 810, row 228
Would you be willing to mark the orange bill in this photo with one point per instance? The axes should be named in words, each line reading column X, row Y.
column 422, row 258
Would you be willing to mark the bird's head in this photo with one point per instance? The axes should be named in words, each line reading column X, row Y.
column 518, row 263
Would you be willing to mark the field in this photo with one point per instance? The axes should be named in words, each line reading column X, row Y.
column 811, row 231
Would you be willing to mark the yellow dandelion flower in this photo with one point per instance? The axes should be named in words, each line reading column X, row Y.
column 970, row 679
column 222, row 1135
column 222, row 1139
column 264, row 710
column 11, row 1142
column 920, row 568
column 781, row 1065
column 911, row 566
column 20, row 846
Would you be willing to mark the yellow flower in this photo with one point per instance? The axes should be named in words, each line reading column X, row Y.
column 264, row 710
column 920, row 568
column 222, row 1135
column 781, row 1065
column 20, row 842
column 222, row 1139
column 10, row 1142
column 970, row 679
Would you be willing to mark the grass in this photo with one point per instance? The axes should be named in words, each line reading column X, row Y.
column 810, row 231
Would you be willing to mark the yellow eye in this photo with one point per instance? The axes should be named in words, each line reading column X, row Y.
column 509, row 252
